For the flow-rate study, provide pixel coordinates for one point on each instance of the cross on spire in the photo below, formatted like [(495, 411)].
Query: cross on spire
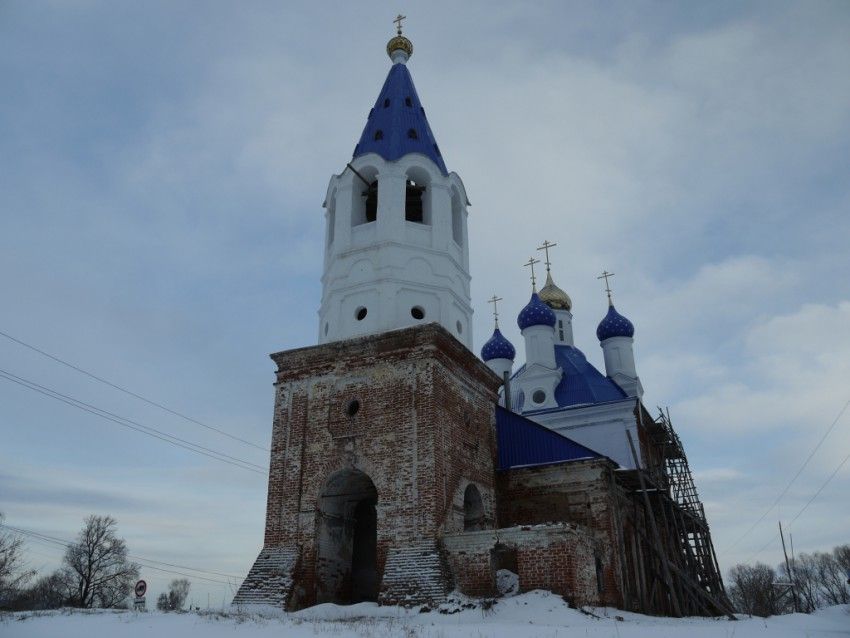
[(531, 261), (605, 275), (398, 20), (546, 246), (494, 300)]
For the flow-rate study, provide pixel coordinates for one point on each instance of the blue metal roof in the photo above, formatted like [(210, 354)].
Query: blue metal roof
[(523, 442), (397, 125), (614, 324), (581, 383)]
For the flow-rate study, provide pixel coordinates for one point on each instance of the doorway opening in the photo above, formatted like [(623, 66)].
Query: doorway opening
[(347, 540)]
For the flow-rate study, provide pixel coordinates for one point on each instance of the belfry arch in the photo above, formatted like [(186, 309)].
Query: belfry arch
[(346, 539)]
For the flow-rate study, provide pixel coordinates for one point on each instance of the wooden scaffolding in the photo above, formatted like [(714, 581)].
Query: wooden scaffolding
[(675, 570)]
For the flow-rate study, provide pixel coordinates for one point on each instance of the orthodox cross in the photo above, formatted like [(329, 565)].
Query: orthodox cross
[(605, 275), (546, 246), (494, 300), (531, 261), (398, 20)]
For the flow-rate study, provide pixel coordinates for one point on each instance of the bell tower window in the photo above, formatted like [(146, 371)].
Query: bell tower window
[(371, 195), (364, 196), (413, 208)]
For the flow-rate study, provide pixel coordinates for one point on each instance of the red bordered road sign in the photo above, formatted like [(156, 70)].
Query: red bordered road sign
[(141, 588)]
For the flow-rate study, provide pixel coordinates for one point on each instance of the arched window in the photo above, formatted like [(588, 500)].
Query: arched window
[(364, 196), (473, 509), (413, 208), (371, 195), (379, 135)]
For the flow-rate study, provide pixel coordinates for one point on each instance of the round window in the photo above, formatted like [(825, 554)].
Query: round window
[(360, 313), (417, 312), (539, 396)]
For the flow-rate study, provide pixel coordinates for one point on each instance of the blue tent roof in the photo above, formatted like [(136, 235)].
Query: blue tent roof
[(522, 442), (581, 383), (397, 125)]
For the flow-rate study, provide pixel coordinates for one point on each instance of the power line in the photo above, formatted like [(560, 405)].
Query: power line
[(806, 506), (133, 425), (791, 482), (54, 541), (130, 392)]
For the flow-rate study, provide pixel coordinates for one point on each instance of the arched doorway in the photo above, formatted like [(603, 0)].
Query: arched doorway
[(473, 509), (347, 539)]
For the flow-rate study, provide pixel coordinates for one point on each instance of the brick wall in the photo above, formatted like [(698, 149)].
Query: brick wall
[(556, 557), (582, 493), (423, 431)]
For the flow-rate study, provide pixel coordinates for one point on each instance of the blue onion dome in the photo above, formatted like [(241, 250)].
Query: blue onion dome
[(535, 313), (614, 325), (498, 347)]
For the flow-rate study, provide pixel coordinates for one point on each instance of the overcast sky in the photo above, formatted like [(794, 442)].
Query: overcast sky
[(162, 168)]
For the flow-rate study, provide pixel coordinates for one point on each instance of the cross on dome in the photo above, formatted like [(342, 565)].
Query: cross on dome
[(494, 300), (398, 20), (545, 247), (605, 275), (531, 261)]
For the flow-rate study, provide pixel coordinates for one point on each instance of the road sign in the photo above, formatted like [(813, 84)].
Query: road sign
[(141, 588)]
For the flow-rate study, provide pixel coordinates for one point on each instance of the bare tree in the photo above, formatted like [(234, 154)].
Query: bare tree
[(752, 590), (804, 575), (831, 578), (174, 600), (842, 557), (13, 572), (97, 570)]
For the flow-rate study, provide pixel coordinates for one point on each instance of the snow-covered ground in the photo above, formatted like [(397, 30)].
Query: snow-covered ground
[(532, 614)]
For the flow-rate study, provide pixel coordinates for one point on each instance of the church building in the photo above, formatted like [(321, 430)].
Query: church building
[(405, 467)]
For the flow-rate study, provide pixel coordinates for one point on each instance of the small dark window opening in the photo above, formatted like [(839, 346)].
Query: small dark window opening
[(413, 203), (353, 407), (361, 313), (379, 135), (473, 509), (408, 101), (417, 313), (412, 134), (371, 195), (387, 103), (539, 396), (561, 329)]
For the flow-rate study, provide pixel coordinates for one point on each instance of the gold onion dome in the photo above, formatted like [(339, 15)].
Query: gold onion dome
[(553, 296), (399, 43)]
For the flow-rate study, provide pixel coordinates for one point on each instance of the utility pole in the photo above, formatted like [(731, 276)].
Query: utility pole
[(788, 569)]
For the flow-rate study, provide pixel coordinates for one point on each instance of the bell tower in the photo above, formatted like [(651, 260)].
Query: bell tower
[(396, 243)]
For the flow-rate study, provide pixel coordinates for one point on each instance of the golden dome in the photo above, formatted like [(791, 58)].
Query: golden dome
[(553, 296), (399, 42)]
